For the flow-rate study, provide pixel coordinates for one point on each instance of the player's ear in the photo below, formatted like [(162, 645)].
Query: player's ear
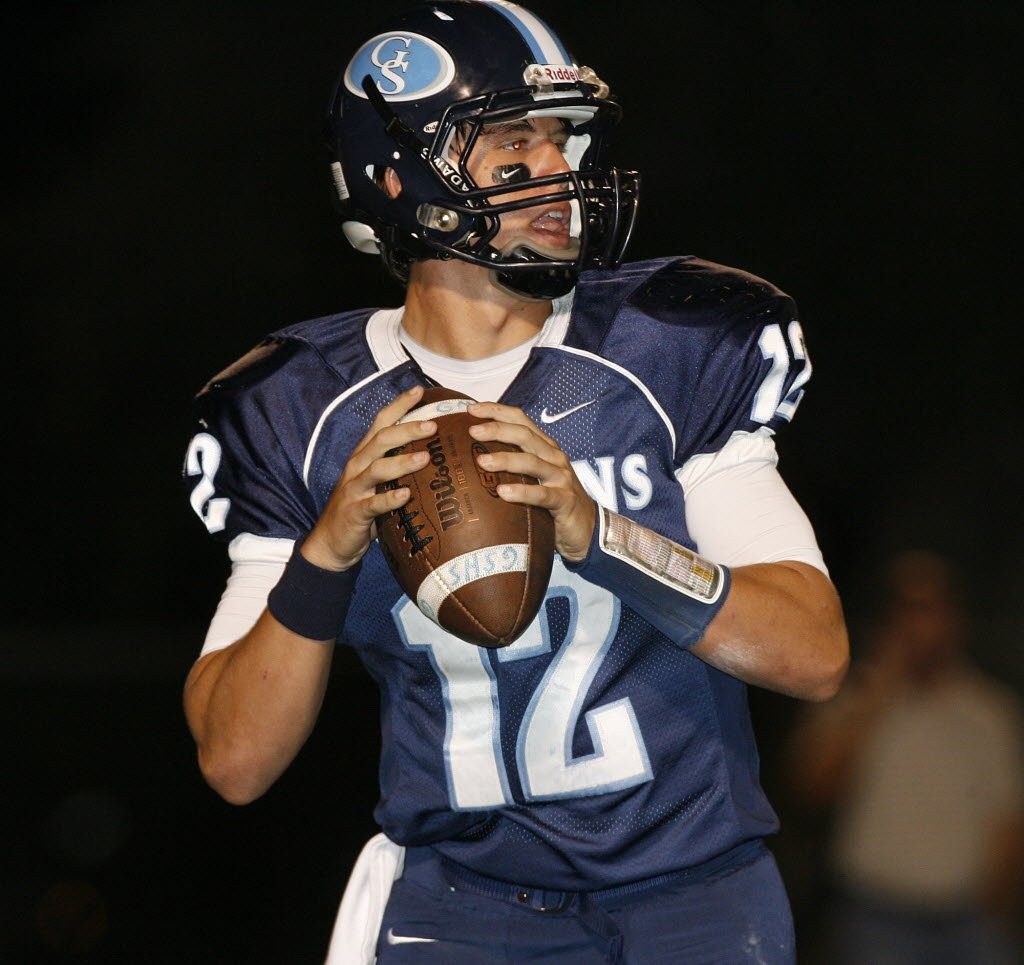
[(391, 183)]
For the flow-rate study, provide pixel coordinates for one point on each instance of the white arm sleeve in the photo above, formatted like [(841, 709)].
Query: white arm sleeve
[(257, 563), (738, 509)]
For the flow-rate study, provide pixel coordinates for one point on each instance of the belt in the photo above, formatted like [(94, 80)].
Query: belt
[(550, 900), (589, 906)]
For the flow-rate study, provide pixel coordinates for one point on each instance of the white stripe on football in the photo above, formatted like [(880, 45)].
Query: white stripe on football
[(468, 568)]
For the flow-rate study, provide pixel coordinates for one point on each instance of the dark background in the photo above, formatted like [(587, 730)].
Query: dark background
[(171, 204)]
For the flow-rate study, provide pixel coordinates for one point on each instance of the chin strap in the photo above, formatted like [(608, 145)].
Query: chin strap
[(540, 284), (395, 127)]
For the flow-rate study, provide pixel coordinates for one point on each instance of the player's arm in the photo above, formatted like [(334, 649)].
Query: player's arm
[(781, 627), (251, 705), (777, 625)]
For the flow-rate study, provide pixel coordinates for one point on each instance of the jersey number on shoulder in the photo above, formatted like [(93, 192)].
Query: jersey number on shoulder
[(769, 402), (544, 756), (203, 460)]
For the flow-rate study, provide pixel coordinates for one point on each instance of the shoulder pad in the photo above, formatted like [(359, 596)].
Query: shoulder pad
[(692, 291), (252, 368)]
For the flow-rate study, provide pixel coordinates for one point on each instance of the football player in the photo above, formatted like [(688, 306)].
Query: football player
[(589, 793)]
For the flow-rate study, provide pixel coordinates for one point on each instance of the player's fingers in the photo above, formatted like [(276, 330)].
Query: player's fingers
[(389, 468), (361, 512), (525, 463), (385, 441), (391, 413), (388, 471), (348, 522), (380, 503), (391, 437), (508, 414), (526, 437), (496, 410), (399, 406), (357, 520), (574, 517), (546, 497)]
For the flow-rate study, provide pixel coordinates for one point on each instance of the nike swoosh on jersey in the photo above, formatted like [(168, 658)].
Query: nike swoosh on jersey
[(393, 939), (548, 417)]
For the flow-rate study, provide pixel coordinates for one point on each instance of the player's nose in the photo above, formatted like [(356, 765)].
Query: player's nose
[(548, 159)]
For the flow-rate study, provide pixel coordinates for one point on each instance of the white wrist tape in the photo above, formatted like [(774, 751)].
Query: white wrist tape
[(671, 587), (659, 558)]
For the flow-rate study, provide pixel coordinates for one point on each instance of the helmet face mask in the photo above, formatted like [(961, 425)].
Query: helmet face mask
[(427, 135)]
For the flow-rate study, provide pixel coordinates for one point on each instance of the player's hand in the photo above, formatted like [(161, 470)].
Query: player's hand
[(346, 527), (558, 488)]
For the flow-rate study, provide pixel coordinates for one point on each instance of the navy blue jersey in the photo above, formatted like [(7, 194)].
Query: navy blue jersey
[(593, 751)]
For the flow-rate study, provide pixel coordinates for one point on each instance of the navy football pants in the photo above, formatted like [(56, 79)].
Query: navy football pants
[(736, 915)]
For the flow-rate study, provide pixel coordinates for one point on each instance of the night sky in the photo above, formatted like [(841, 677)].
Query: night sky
[(170, 205)]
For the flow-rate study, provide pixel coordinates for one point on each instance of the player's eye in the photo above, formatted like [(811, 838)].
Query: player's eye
[(517, 145)]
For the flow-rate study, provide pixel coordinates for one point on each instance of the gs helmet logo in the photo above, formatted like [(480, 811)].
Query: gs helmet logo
[(404, 67)]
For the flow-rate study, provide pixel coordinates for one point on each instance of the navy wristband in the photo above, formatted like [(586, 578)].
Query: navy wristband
[(671, 587), (310, 601)]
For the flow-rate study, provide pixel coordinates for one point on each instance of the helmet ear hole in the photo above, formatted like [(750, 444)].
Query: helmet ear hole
[(390, 183), (384, 180)]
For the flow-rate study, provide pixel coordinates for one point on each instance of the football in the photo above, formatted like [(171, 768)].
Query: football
[(474, 564)]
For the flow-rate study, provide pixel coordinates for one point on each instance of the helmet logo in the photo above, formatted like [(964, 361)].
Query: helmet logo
[(388, 67), (403, 66)]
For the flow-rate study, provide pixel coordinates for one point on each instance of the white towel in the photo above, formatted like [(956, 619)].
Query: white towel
[(354, 939)]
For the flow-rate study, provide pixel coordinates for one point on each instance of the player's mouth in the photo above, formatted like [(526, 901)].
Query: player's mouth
[(553, 226)]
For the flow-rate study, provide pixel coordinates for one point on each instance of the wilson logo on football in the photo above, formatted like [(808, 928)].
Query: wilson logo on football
[(403, 66)]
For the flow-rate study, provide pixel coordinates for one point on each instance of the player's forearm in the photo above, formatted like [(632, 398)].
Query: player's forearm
[(776, 625), (781, 627), (252, 705)]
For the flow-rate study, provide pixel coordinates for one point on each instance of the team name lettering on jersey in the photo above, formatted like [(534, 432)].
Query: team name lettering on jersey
[(602, 482)]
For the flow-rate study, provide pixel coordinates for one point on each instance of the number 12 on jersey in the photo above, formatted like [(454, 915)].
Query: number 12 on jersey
[(769, 402), (547, 769)]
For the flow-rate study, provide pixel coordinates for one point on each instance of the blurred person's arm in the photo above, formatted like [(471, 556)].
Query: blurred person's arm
[(1003, 888), (822, 751), (1002, 892)]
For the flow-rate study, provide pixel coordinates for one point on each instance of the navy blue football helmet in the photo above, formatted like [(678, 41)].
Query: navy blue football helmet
[(415, 98)]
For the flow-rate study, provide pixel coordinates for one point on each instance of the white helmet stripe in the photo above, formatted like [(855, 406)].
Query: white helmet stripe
[(546, 47)]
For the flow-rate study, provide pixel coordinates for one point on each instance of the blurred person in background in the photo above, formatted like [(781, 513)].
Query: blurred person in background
[(920, 760)]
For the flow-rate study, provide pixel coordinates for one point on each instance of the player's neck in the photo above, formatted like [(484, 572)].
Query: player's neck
[(452, 308)]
